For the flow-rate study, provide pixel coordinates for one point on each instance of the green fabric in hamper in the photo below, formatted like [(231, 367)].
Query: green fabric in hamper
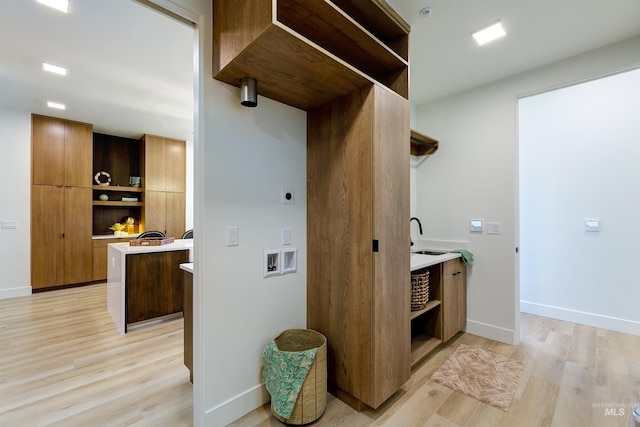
[(284, 374)]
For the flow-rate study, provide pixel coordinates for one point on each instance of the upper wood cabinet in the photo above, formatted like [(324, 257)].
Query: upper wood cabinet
[(164, 164), (358, 285), (62, 152), (307, 52)]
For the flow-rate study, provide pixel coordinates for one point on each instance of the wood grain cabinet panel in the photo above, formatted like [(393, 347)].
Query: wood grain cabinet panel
[(154, 285), (62, 152), (165, 185), (358, 187), (61, 205), (47, 241), (454, 300)]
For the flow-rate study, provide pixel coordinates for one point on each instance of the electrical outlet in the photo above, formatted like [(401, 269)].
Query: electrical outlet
[(287, 196)]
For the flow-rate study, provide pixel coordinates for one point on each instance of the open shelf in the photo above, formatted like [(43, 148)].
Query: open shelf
[(313, 51), (422, 145), (115, 203), (118, 188), (422, 345), (430, 306), (334, 30)]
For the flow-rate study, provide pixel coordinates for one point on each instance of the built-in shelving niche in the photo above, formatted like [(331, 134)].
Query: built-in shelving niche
[(120, 157)]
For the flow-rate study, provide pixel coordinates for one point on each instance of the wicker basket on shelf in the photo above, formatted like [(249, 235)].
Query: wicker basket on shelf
[(419, 290)]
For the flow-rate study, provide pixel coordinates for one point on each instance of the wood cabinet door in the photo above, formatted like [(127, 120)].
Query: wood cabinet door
[(78, 267), (47, 242), (78, 154), (48, 162), (175, 214), (454, 298), (175, 165), (154, 163), (154, 211), (392, 265)]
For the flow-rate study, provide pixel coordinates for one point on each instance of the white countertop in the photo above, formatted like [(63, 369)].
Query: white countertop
[(178, 244), (188, 267), (421, 261), (113, 236)]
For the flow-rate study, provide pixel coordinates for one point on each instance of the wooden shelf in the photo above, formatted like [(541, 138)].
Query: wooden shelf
[(311, 53), (332, 29), (116, 203), (118, 188), (422, 345), (430, 306), (422, 145)]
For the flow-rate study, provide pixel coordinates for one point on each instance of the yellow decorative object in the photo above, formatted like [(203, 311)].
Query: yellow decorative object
[(117, 227)]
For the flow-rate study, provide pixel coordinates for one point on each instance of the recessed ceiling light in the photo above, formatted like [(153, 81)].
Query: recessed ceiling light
[(56, 105), (54, 69), (490, 33), (61, 5)]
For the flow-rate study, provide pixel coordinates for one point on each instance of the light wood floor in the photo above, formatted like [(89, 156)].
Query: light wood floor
[(572, 375), (62, 363)]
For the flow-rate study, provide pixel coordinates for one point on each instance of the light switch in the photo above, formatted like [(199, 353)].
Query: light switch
[(494, 228), (12, 225), (591, 225), (233, 238), (286, 236)]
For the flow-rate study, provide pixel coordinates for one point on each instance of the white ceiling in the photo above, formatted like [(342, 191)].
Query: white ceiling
[(445, 59), (130, 68)]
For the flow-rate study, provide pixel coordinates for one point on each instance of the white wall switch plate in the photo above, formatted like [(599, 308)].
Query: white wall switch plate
[(9, 224), (494, 228), (286, 236), (233, 236), (476, 226), (591, 225), (288, 196)]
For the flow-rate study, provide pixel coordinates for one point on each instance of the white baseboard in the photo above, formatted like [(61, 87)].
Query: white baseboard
[(15, 292), (237, 407), (492, 332), (584, 318)]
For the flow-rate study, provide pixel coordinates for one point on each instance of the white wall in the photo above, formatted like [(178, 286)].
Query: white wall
[(476, 172), (579, 157), (242, 159), (15, 190)]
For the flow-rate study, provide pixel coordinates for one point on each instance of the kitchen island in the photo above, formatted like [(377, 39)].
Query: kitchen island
[(144, 283)]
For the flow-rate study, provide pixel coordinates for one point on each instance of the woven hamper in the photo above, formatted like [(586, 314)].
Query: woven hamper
[(419, 290), (312, 400)]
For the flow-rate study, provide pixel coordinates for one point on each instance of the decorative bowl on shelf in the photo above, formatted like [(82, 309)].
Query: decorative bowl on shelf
[(103, 197)]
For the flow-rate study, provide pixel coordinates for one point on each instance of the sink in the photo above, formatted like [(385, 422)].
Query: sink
[(426, 252)]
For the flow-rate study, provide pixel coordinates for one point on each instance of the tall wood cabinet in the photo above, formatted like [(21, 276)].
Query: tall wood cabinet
[(357, 241), (164, 175), (60, 202)]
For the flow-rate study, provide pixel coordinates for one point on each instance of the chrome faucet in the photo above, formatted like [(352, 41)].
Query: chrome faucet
[(419, 227)]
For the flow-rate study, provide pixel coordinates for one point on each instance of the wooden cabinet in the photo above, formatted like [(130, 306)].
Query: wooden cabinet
[(99, 256), (454, 300), (188, 321), (164, 184), (306, 53), (357, 286), (60, 203), (61, 152), (445, 314), (346, 63)]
